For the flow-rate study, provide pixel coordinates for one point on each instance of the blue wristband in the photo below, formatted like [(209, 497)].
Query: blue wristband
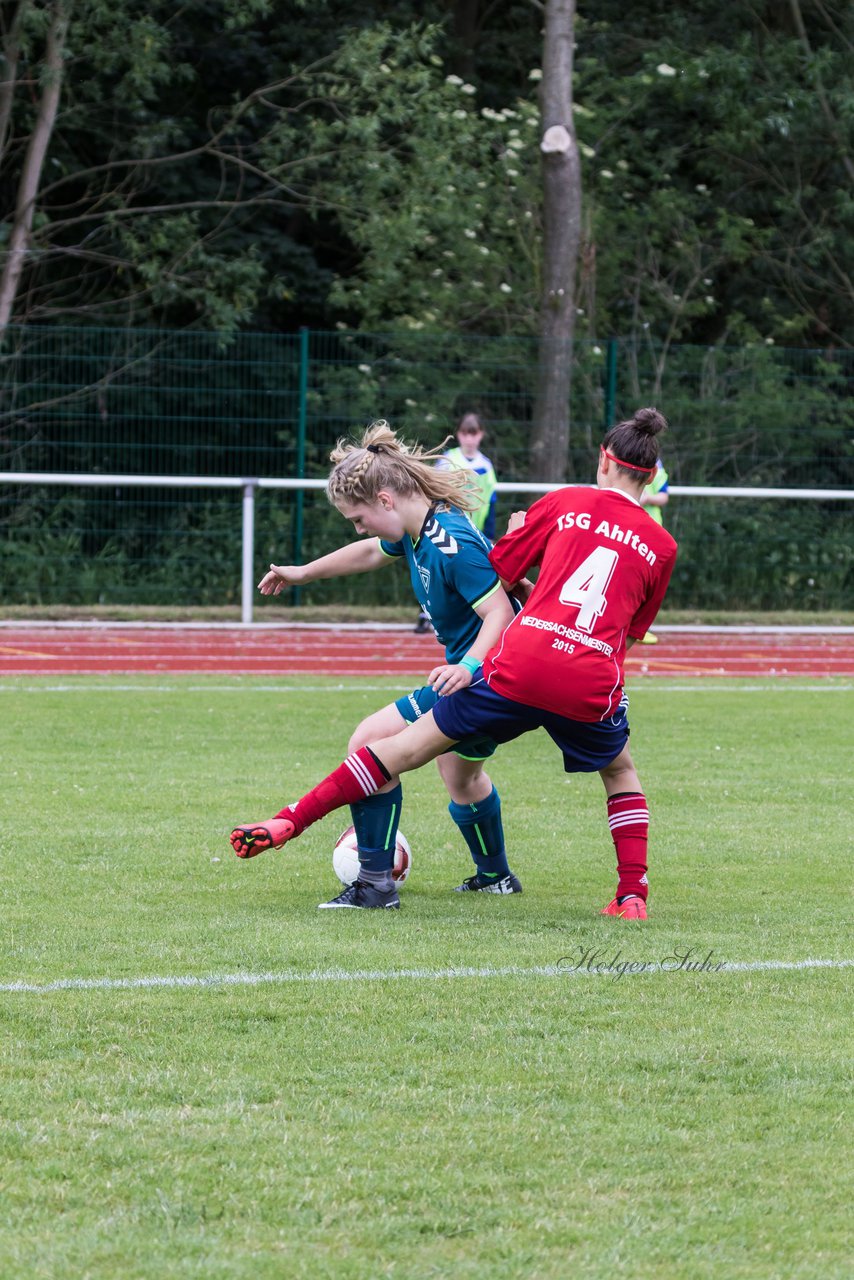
[(471, 664)]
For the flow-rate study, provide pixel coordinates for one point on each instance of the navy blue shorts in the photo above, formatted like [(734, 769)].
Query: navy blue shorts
[(585, 747), (473, 746)]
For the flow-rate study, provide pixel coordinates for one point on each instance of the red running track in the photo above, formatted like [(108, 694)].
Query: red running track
[(72, 649)]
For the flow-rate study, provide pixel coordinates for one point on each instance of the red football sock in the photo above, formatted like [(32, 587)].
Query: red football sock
[(360, 775), (628, 818)]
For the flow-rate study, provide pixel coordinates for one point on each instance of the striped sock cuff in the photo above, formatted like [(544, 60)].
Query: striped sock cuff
[(628, 811), (367, 770)]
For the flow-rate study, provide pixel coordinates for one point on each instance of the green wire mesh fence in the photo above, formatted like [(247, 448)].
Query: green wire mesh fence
[(150, 402)]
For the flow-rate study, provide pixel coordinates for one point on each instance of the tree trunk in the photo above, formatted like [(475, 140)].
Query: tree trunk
[(561, 235), (28, 187)]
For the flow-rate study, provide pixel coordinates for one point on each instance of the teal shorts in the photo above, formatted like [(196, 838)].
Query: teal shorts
[(476, 746)]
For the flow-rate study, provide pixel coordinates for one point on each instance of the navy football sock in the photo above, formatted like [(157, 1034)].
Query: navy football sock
[(483, 832), (376, 820)]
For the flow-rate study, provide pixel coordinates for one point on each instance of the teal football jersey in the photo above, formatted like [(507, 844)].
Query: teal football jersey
[(451, 575)]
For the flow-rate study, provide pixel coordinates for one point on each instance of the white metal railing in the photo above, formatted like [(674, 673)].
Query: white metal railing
[(250, 484)]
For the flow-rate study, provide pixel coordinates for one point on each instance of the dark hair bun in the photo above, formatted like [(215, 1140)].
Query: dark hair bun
[(649, 422)]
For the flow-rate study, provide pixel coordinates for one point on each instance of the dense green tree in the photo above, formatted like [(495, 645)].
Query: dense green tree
[(718, 191), (424, 185), (185, 180), (160, 193), (128, 214)]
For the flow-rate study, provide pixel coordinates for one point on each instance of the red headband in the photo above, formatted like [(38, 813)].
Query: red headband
[(630, 465)]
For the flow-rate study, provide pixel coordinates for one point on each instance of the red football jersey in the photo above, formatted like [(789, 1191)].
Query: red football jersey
[(604, 568)]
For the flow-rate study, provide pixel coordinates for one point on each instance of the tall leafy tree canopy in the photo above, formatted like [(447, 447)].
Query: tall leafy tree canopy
[(229, 164)]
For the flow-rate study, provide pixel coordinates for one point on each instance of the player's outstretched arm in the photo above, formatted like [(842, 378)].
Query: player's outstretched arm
[(355, 557), (279, 577)]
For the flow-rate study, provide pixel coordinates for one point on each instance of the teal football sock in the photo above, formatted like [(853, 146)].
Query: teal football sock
[(483, 832), (375, 821)]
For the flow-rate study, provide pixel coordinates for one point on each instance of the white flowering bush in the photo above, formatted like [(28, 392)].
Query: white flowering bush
[(438, 195)]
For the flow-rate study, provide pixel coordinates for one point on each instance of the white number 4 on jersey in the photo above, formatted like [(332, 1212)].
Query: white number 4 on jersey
[(586, 587)]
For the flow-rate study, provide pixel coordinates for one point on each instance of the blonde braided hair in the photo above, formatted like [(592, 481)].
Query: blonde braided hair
[(382, 461)]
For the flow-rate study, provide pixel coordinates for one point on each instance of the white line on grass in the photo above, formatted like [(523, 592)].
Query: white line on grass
[(568, 970), (650, 685)]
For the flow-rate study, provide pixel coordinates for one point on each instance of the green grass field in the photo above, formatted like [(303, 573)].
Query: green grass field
[(289, 1118)]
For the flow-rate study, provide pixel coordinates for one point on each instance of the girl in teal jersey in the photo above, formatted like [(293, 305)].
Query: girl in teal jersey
[(408, 510)]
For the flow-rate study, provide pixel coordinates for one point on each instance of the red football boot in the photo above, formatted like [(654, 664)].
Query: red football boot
[(631, 908), (254, 838)]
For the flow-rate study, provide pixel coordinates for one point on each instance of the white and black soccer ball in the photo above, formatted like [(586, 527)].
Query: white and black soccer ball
[(345, 858)]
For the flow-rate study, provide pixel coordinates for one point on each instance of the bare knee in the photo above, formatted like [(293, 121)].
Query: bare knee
[(359, 738), (620, 774), (466, 781), (381, 724)]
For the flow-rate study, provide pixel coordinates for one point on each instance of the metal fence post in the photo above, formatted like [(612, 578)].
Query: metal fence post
[(611, 384), (302, 424), (247, 586)]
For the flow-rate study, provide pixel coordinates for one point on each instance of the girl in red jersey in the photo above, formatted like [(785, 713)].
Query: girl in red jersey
[(604, 568)]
